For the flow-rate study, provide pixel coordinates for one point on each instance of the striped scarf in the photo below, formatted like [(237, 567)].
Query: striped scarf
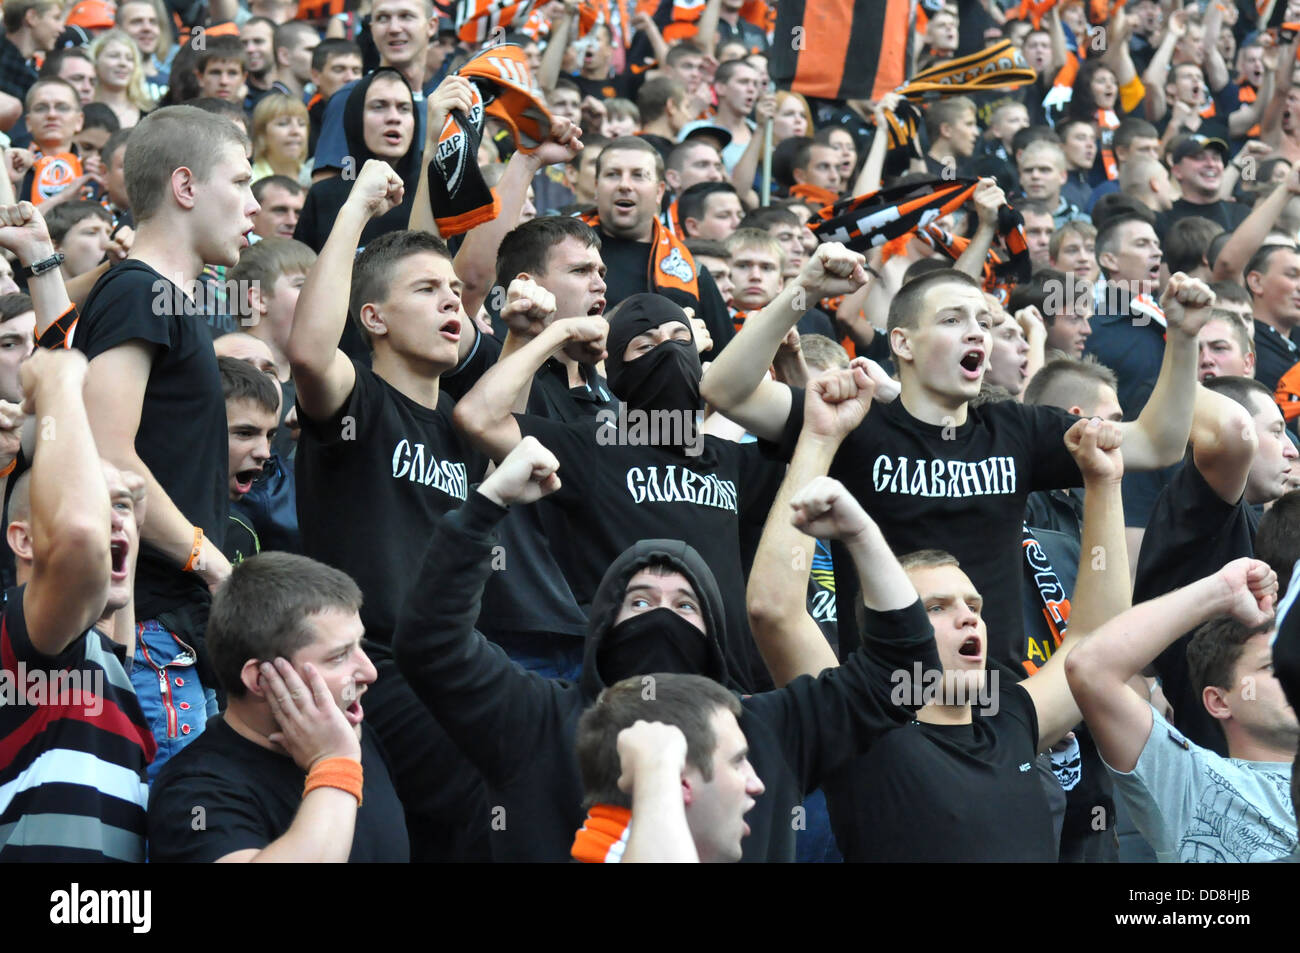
[(603, 835)]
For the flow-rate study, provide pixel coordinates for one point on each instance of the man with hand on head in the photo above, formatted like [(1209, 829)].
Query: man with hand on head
[(289, 772)]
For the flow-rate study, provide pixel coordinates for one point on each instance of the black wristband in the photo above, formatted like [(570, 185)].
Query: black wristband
[(40, 267)]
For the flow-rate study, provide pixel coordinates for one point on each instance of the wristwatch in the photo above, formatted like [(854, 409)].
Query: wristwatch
[(40, 267)]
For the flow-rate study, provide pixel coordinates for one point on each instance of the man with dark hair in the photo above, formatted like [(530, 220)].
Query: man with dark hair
[(1065, 315), (1225, 346), (383, 438), (1277, 541), (639, 251), (221, 68), (80, 232), (1272, 276), (258, 36), (334, 64), (1207, 516), (73, 766), (709, 792), (690, 163), (1191, 804), (1039, 227), (736, 85), (153, 375), (816, 172), (281, 199), (113, 158), (783, 225), (657, 608), (1196, 164), (914, 463), (710, 210), (1117, 205), (1186, 245), (289, 771), (1133, 139), (292, 46)]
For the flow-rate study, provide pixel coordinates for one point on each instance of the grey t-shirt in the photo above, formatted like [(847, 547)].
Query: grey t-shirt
[(1195, 806)]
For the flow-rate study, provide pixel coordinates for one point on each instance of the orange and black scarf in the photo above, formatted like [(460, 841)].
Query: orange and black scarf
[(890, 217), (672, 267), (1000, 66), (603, 835), (503, 89)]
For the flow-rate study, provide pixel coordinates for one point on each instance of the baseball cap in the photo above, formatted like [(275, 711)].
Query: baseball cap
[(1195, 143), (91, 15), (704, 126)]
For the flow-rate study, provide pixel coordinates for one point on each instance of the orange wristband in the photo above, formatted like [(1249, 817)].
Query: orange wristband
[(194, 553), (9, 469), (342, 773)]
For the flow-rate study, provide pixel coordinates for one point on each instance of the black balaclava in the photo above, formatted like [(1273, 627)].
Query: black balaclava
[(354, 111), (665, 378), (656, 641)]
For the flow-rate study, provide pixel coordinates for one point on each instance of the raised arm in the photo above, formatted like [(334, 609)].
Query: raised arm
[(1247, 115), (1224, 443), (1159, 436), (453, 93), (1248, 237), (1216, 71), (1157, 71), (1117, 55), (645, 22), (790, 642), (553, 59), (706, 38), (1120, 721), (1271, 124), (988, 199), (652, 757), (742, 176), (736, 383), (1101, 590), (873, 169), (476, 262), (486, 413), (70, 522), (23, 232), (322, 373)]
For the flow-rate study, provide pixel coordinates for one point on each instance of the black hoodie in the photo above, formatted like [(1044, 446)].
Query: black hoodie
[(519, 728), (326, 197)]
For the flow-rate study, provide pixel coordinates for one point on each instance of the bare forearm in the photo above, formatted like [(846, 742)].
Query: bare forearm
[(476, 260), (874, 168), (743, 363), (78, 288), (322, 309), (659, 833), (1166, 420), (787, 637), (972, 259), (1247, 238), (885, 586), (1101, 590), (549, 70), (321, 832), (50, 298), (707, 37), (68, 497)]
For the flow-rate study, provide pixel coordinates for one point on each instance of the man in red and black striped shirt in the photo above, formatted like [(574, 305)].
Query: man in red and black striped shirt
[(74, 744)]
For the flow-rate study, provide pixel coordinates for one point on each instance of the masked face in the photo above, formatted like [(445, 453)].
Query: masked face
[(657, 640), (660, 370)]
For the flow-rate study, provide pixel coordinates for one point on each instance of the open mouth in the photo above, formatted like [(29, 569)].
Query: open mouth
[(393, 136), (450, 329), (596, 309), (118, 549), (626, 205), (1024, 369), (354, 713), (970, 648), (244, 479), (972, 363)]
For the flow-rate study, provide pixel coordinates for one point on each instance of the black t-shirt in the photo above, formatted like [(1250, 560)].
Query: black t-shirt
[(627, 273), (371, 484), (613, 495), (619, 86), (960, 489), (947, 793), (1227, 214), (182, 432), (249, 797), (1192, 532)]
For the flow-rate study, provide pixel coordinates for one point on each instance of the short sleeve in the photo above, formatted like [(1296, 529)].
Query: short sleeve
[(362, 405), (127, 306), (1157, 790), (200, 818)]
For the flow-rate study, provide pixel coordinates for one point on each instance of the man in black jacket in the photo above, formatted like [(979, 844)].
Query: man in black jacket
[(657, 609)]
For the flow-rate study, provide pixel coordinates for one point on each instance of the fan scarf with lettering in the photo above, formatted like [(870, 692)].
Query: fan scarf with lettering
[(1000, 66), (52, 174), (1108, 122), (1056, 606), (477, 20), (891, 216), (502, 89), (671, 263), (602, 839)]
